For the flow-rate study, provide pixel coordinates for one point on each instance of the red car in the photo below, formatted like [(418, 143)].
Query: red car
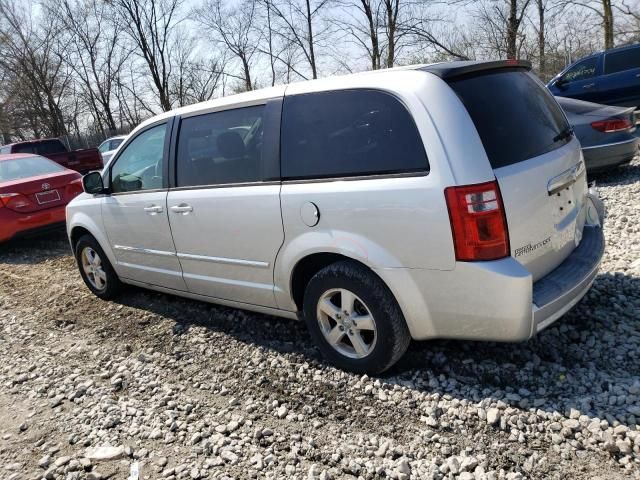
[(34, 192)]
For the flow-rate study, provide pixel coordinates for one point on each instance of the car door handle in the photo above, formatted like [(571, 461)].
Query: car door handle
[(182, 208), (153, 209), (637, 75), (589, 85)]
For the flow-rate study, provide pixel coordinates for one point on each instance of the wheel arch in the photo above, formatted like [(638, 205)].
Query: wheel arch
[(309, 265)]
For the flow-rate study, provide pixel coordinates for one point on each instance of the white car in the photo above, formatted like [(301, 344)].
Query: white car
[(431, 201), (109, 147)]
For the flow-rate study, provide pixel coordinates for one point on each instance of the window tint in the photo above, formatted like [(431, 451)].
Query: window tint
[(47, 147), (346, 133), (24, 148), (104, 146), (27, 167), (139, 166), (514, 114), (581, 71), (619, 61), (116, 143), (220, 147)]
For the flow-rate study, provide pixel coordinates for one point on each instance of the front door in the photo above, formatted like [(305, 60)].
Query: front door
[(135, 214), (224, 212)]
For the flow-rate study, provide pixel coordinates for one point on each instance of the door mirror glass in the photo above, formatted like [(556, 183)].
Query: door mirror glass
[(92, 183)]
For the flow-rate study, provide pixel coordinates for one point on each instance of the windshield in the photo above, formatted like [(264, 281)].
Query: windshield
[(27, 167), (516, 117)]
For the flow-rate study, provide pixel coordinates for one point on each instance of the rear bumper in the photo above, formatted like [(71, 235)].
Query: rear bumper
[(610, 155), (494, 301), (560, 290), (14, 224)]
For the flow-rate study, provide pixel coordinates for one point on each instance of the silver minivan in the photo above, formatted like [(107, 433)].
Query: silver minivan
[(431, 201)]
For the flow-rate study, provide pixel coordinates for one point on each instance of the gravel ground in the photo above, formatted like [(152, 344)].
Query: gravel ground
[(153, 386)]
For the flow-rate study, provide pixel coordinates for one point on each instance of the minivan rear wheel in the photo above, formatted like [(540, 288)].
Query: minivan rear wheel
[(95, 269), (354, 319)]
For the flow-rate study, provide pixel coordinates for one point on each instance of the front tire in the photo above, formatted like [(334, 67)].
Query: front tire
[(95, 268), (354, 319)]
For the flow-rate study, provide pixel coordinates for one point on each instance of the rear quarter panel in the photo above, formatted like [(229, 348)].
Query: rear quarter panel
[(386, 222)]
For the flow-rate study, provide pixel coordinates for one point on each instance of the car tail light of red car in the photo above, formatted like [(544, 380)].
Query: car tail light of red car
[(612, 125), (478, 222), (14, 201), (74, 188)]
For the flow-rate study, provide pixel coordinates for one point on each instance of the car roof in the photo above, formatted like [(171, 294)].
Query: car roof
[(17, 156), (384, 78)]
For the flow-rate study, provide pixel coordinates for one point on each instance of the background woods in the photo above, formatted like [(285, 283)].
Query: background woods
[(86, 69)]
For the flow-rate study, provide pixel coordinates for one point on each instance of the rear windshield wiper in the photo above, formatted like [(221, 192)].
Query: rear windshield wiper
[(566, 133)]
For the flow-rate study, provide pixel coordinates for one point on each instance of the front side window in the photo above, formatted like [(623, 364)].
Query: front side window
[(221, 147), (620, 61), (581, 71), (348, 133), (139, 166), (104, 146)]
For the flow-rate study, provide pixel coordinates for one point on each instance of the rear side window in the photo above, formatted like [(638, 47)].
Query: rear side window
[(620, 61), (221, 147), (348, 133), (515, 115)]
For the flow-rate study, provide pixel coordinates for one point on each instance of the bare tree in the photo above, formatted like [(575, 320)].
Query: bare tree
[(31, 56), (235, 28), (299, 19), (151, 24), (96, 54)]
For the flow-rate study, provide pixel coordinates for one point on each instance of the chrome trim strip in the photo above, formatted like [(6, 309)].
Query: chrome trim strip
[(610, 144), (228, 261), (146, 251)]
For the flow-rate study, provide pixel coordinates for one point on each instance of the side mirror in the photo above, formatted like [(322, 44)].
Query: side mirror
[(92, 183)]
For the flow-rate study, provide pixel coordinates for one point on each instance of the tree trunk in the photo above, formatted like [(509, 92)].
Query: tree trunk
[(607, 17), (541, 40), (512, 29), (312, 55), (373, 35), (391, 6)]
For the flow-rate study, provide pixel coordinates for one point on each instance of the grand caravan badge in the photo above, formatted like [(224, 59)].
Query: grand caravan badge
[(527, 249)]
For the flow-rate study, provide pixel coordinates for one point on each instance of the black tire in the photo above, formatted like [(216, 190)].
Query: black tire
[(113, 285), (393, 336)]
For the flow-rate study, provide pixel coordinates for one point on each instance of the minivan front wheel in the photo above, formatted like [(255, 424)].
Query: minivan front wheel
[(354, 319), (95, 269)]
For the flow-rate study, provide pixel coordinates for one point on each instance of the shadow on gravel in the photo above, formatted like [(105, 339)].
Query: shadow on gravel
[(588, 360), (624, 175), (36, 249)]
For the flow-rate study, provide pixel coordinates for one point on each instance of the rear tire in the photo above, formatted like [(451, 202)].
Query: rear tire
[(354, 319), (95, 268)]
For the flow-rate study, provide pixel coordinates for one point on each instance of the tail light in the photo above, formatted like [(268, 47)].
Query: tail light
[(612, 125), (478, 222), (14, 201), (74, 188)]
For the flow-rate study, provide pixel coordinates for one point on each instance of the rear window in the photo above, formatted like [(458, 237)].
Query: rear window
[(27, 167), (47, 147), (620, 61), (515, 115), (348, 133)]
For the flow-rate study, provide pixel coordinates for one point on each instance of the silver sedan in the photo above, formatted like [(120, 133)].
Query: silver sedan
[(607, 134)]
